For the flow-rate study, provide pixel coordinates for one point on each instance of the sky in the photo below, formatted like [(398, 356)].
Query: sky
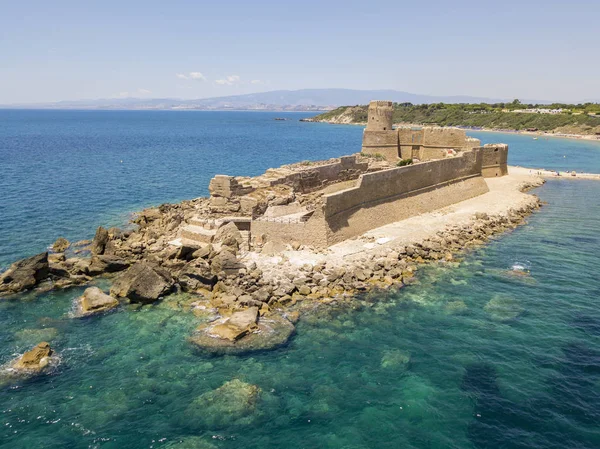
[(69, 50)]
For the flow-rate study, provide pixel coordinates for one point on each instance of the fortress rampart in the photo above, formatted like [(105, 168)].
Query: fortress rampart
[(319, 204), (495, 159)]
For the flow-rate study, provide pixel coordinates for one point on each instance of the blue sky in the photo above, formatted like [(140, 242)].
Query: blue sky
[(66, 50)]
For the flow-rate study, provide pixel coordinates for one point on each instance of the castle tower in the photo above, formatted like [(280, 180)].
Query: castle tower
[(380, 116), (378, 136)]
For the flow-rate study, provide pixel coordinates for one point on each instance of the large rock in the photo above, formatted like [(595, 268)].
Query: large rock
[(25, 274), (95, 301), (243, 333), (226, 261), (237, 326), (196, 274), (100, 240), (233, 403), (106, 264), (30, 364), (61, 245), (229, 235), (143, 282)]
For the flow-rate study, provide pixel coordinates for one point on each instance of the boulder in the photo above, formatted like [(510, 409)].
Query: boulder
[(61, 245), (228, 234), (31, 362), (233, 403), (143, 282), (100, 240), (243, 333), (95, 301), (196, 274), (237, 326), (106, 264), (25, 274), (226, 261)]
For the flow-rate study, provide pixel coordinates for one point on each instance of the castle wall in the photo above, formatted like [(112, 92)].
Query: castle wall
[(428, 143), (392, 195), (380, 198), (381, 142), (495, 160)]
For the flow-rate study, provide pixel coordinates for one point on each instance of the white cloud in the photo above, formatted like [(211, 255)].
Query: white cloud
[(229, 80), (144, 91), (256, 82), (197, 76), (191, 76)]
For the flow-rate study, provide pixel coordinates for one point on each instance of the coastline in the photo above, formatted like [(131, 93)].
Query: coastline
[(250, 298), (545, 134)]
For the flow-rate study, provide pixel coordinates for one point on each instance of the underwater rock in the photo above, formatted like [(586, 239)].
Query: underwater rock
[(244, 333), (25, 274), (95, 301), (190, 443), (395, 358), (233, 403), (503, 308), (61, 245), (455, 307), (143, 282), (30, 336)]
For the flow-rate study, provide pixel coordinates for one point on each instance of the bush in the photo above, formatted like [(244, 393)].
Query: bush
[(404, 162)]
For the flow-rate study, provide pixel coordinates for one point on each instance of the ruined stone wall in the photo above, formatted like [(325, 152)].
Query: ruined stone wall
[(495, 160), (392, 195), (312, 232), (319, 176), (427, 142)]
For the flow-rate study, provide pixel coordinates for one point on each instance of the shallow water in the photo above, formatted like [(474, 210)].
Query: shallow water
[(473, 380), (432, 366)]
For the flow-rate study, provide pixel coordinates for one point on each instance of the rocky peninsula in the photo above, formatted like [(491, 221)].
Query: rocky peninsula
[(250, 260)]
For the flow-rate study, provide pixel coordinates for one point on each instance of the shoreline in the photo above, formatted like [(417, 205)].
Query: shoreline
[(250, 298), (585, 137)]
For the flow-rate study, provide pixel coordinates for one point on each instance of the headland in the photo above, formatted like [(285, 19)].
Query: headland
[(260, 251)]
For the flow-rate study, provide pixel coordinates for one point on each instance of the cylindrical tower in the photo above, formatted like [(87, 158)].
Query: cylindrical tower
[(380, 116)]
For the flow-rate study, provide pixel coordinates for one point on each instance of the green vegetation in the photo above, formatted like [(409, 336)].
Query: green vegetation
[(404, 162), (580, 118), (375, 156)]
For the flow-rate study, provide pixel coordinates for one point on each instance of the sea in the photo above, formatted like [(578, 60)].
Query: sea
[(437, 364)]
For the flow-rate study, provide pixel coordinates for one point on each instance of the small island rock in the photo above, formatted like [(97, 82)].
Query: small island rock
[(95, 301), (61, 245), (25, 274)]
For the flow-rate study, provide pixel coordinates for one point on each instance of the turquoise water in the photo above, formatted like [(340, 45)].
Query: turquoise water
[(413, 369)]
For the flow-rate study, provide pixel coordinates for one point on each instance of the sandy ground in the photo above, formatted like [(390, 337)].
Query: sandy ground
[(505, 194), (550, 174), (590, 137)]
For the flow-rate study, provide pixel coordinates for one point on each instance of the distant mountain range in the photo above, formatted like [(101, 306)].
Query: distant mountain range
[(278, 100)]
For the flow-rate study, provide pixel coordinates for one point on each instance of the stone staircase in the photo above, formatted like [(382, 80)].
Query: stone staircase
[(202, 230)]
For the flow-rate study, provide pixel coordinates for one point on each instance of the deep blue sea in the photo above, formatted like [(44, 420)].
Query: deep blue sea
[(404, 370)]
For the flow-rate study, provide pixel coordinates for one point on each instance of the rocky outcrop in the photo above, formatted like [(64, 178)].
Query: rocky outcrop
[(196, 275), (100, 240), (61, 245), (106, 264), (25, 274), (233, 403), (229, 235), (227, 262), (30, 364), (94, 301), (143, 282), (243, 331)]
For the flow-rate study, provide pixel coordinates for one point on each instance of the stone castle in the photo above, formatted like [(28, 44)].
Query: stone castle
[(318, 204)]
